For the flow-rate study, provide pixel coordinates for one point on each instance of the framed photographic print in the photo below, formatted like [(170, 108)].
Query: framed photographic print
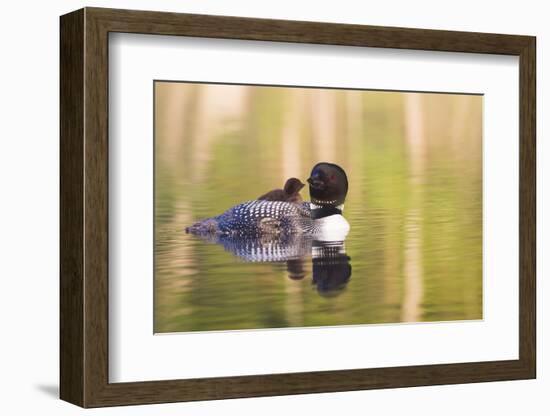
[(255, 207)]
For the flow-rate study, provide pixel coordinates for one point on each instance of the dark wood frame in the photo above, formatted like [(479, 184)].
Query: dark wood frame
[(84, 207)]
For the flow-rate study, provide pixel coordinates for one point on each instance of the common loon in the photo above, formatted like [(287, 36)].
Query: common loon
[(328, 187), (290, 192)]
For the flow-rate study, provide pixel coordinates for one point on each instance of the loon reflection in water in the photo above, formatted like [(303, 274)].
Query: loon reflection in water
[(331, 268)]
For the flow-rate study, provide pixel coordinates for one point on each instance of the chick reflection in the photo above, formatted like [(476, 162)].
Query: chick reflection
[(331, 269), (295, 269)]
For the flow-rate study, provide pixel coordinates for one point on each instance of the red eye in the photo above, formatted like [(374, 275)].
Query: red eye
[(332, 177)]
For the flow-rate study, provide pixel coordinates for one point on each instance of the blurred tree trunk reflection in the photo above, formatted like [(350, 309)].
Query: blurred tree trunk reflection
[(416, 147)]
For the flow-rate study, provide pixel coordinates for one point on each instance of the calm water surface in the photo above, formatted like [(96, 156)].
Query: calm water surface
[(414, 206)]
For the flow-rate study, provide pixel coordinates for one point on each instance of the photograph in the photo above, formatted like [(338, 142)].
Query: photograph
[(311, 206)]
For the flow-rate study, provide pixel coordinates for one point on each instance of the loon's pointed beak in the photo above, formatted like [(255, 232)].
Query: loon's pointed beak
[(315, 182)]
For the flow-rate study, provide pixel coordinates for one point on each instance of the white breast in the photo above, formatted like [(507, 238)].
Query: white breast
[(331, 228)]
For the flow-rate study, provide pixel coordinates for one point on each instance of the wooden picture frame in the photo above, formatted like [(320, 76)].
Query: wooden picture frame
[(84, 207)]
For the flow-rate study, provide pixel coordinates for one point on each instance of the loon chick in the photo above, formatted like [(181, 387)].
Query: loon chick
[(328, 186), (290, 192)]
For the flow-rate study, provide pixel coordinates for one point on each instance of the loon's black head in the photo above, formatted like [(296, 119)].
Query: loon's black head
[(328, 184)]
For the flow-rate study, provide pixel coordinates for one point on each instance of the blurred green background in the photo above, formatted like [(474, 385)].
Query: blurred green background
[(414, 164)]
